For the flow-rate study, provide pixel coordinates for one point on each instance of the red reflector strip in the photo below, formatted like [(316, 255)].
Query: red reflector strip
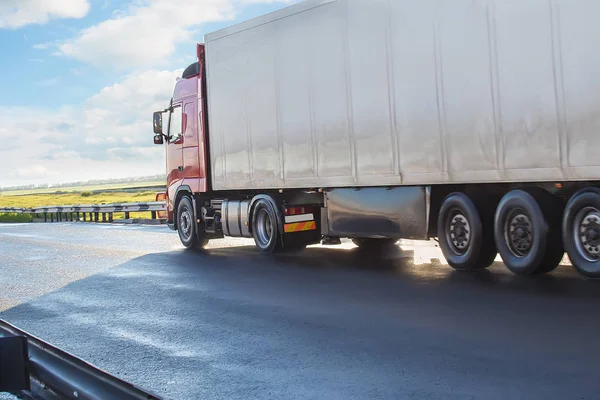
[(300, 227)]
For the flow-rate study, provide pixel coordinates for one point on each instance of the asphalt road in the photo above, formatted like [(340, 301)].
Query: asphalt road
[(324, 324)]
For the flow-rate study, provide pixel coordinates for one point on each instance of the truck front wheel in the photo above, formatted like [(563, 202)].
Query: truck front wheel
[(465, 234), (187, 227)]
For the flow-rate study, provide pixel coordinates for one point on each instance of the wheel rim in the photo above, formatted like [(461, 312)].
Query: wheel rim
[(586, 233), (518, 233), (185, 224), (458, 232), (264, 228)]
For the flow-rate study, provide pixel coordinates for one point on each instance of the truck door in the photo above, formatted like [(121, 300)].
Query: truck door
[(174, 152), (191, 162)]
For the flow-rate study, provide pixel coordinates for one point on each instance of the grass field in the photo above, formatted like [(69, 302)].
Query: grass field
[(91, 188), (15, 218), (40, 200)]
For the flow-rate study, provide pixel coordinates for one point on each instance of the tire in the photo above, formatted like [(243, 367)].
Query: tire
[(581, 230), (527, 231), (374, 244), (187, 228), (465, 234), (265, 227)]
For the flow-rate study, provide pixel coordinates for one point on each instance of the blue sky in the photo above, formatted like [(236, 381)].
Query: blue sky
[(80, 79)]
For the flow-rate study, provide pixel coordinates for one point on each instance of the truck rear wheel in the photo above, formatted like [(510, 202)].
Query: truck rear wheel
[(265, 227), (187, 227), (581, 232), (527, 232), (465, 234)]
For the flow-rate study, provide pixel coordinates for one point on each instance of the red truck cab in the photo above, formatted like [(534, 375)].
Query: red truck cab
[(185, 134)]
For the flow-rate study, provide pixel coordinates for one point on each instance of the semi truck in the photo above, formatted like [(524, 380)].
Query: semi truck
[(472, 122)]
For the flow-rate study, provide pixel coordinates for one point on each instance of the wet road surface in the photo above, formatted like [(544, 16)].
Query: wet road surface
[(326, 323)]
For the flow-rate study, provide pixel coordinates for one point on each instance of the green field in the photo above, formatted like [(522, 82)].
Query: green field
[(40, 200), (15, 218), (90, 188)]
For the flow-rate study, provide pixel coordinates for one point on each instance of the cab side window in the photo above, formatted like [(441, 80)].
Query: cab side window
[(175, 125)]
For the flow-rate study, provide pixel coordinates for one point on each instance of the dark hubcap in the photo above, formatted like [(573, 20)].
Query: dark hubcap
[(264, 228), (458, 232), (185, 224), (519, 233), (586, 231)]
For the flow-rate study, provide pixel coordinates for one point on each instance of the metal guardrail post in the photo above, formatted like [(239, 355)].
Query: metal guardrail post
[(36, 369), (14, 376)]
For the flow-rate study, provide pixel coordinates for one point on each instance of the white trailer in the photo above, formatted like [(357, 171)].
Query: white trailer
[(331, 93), (473, 121)]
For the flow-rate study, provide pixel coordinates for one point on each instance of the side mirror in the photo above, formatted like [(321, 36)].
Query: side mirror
[(158, 139), (158, 126)]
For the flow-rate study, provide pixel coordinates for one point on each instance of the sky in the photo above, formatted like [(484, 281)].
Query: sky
[(79, 80)]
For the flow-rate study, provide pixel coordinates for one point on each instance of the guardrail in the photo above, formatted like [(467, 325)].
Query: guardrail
[(96, 212), (32, 368)]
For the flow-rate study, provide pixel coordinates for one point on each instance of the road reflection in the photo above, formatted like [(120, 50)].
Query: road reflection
[(419, 262)]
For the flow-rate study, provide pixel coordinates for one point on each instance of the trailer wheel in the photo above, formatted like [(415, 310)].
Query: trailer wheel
[(265, 227), (187, 228), (465, 234), (581, 232), (527, 231)]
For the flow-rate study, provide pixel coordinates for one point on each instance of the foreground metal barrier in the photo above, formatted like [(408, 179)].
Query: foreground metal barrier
[(32, 368), (95, 212)]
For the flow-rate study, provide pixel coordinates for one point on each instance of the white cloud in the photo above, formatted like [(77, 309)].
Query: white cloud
[(109, 135), (147, 33), (49, 82), (35, 170), (18, 13), (42, 46)]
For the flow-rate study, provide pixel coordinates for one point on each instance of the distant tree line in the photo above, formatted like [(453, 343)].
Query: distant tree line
[(94, 182)]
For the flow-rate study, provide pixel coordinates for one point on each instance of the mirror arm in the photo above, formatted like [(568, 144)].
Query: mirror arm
[(167, 110)]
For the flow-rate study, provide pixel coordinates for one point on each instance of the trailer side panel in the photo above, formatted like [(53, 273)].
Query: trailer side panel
[(342, 93)]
